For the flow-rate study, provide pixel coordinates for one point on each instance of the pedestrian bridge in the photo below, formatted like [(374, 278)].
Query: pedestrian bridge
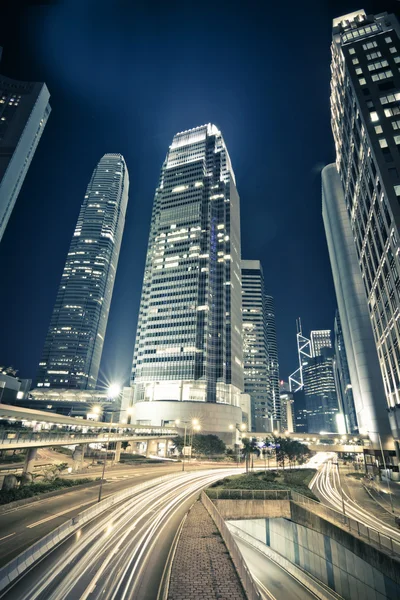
[(69, 430), (324, 442)]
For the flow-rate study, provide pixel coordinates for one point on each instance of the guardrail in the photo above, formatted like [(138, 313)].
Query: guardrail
[(18, 565), (383, 541), (227, 494), (247, 580)]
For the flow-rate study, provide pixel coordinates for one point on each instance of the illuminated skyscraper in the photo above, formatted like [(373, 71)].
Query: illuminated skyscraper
[(343, 381), (361, 211), (188, 351), (255, 346), (24, 110), (74, 343), (320, 338), (272, 348)]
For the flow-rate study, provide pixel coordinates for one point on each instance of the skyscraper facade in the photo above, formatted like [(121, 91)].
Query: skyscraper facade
[(342, 378), (272, 348), (320, 393), (365, 107), (189, 335), (255, 346), (24, 110), (74, 342), (320, 338), (287, 408)]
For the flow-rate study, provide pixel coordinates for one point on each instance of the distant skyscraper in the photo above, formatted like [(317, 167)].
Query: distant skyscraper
[(74, 343), (287, 408), (320, 392), (273, 359), (342, 379), (361, 209), (255, 346), (321, 338), (188, 348), (24, 110)]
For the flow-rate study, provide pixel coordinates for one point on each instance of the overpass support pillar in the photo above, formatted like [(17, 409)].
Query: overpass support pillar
[(30, 460), (117, 452), (166, 444), (151, 448), (78, 456)]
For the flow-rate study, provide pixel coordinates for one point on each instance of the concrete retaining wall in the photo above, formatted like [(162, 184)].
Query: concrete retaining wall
[(325, 558), (253, 509)]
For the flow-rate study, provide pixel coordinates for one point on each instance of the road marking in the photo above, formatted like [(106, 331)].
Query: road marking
[(56, 515), (7, 536)]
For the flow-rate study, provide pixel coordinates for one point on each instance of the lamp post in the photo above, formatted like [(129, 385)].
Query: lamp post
[(194, 422)]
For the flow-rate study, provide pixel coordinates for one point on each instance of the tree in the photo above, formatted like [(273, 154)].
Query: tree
[(249, 449), (292, 450), (208, 445)]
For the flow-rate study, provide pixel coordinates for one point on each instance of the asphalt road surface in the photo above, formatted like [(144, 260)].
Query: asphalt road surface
[(327, 486), (273, 581), (122, 553), (21, 527)]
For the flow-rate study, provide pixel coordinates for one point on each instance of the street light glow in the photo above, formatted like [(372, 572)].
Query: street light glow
[(195, 422), (114, 390)]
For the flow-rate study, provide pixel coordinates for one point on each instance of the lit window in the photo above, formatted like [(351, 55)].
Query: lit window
[(362, 81), (352, 51), (392, 50), (397, 190), (396, 139), (359, 71), (388, 40), (378, 129), (383, 143), (374, 116), (355, 61)]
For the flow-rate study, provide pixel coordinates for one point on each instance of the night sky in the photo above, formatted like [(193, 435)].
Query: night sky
[(125, 76)]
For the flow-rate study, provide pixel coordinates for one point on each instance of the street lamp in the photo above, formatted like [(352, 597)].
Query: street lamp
[(114, 390), (193, 423)]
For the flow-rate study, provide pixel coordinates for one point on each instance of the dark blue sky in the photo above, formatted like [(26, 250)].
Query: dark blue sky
[(125, 76)]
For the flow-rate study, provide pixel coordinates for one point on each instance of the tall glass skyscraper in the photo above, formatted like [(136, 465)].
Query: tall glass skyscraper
[(273, 360), (74, 342), (24, 110), (342, 379), (365, 109), (189, 335), (255, 346)]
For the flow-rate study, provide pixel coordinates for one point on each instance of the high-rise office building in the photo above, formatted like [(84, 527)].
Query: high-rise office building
[(320, 338), (320, 393), (273, 360), (74, 342), (24, 110), (188, 358), (287, 408), (255, 346), (343, 382), (361, 207)]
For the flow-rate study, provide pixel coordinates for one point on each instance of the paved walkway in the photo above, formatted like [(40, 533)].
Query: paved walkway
[(202, 568)]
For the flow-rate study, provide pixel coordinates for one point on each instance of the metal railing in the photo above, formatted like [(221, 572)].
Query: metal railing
[(30, 438), (247, 580), (227, 494), (374, 537)]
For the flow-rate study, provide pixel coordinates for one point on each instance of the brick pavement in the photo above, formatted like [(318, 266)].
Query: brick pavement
[(202, 568)]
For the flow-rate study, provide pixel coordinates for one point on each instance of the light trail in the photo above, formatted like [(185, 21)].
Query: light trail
[(328, 487), (107, 558)]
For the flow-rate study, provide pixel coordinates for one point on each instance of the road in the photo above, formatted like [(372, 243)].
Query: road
[(327, 486), (122, 553), (21, 527), (273, 581)]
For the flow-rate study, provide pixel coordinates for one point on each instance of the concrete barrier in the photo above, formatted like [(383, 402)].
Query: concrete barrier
[(304, 578), (18, 565)]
